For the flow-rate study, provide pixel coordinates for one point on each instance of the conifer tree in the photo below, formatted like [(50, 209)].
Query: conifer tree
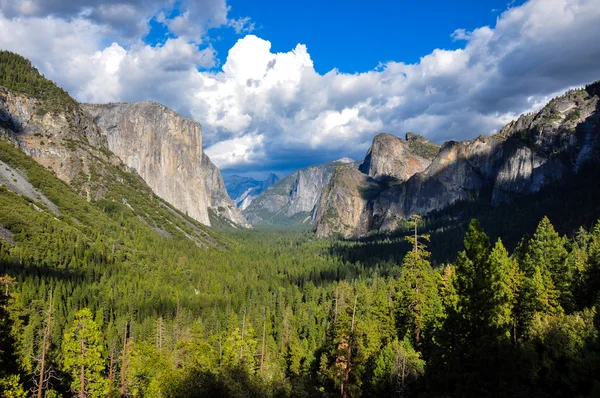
[(473, 285), (82, 356), (546, 250), (418, 302), (503, 289)]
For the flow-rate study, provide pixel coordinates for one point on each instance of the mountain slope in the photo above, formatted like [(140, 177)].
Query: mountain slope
[(63, 136), (293, 199), (535, 151)]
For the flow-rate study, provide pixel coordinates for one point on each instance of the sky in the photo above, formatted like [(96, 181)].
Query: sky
[(280, 85)]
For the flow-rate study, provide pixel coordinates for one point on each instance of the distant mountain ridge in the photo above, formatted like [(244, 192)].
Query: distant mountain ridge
[(243, 190)]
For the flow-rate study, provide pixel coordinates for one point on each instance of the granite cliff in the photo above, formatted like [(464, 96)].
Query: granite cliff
[(39, 119), (535, 151), (165, 148), (85, 145), (293, 199)]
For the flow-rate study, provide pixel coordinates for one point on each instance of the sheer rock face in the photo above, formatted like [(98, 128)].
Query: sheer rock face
[(66, 141), (220, 202), (342, 208), (165, 148), (527, 154), (293, 199)]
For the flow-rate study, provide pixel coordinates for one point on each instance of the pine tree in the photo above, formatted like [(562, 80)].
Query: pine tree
[(7, 355), (546, 250), (503, 289), (418, 302), (473, 285), (82, 356)]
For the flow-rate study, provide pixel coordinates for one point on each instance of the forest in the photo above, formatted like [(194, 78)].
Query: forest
[(95, 303)]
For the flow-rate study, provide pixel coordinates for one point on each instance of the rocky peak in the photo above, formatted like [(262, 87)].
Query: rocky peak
[(293, 199), (391, 157), (270, 180)]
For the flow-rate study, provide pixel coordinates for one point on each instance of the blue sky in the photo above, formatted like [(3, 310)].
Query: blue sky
[(372, 31), (282, 85)]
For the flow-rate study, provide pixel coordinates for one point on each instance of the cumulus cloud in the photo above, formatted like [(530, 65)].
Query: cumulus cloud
[(266, 110)]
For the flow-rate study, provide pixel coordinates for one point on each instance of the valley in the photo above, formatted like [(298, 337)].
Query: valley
[(130, 267)]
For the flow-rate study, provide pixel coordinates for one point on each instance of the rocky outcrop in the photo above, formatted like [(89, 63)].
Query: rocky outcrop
[(343, 203), (165, 148), (534, 151), (294, 199), (391, 158)]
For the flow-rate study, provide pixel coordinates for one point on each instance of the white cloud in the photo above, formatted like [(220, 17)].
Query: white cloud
[(266, 109), (245, 150)]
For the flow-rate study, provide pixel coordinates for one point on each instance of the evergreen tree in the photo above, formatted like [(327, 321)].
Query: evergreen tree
[(503, 289), (397, 368), (82, 356), (8, 360), (418, 302), (546, 250), (473, 285)]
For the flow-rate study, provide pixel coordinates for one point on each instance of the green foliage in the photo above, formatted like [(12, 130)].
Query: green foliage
[(418, 301), (424, 148), (397, 369), (11, 387), (82, 350), (17, 74), (268, 312)]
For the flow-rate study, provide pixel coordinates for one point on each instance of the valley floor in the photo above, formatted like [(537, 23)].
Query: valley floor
[(280, 313)]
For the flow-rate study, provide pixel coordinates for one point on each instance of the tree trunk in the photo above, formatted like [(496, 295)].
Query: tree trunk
[(45, 344), (124, 361), (82, 370)]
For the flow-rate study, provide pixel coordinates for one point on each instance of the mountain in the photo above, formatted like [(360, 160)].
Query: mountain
[(293, 199), (165, 148), (71, 182), (84, 144), (391, 158), (243, 190), (538, 150)]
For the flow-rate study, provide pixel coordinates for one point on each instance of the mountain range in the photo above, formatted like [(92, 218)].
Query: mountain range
[(292, 200), (399, 177), (537, 150), (83, 145)]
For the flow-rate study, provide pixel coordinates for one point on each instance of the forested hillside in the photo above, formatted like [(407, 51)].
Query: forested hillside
[(94, 291)]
